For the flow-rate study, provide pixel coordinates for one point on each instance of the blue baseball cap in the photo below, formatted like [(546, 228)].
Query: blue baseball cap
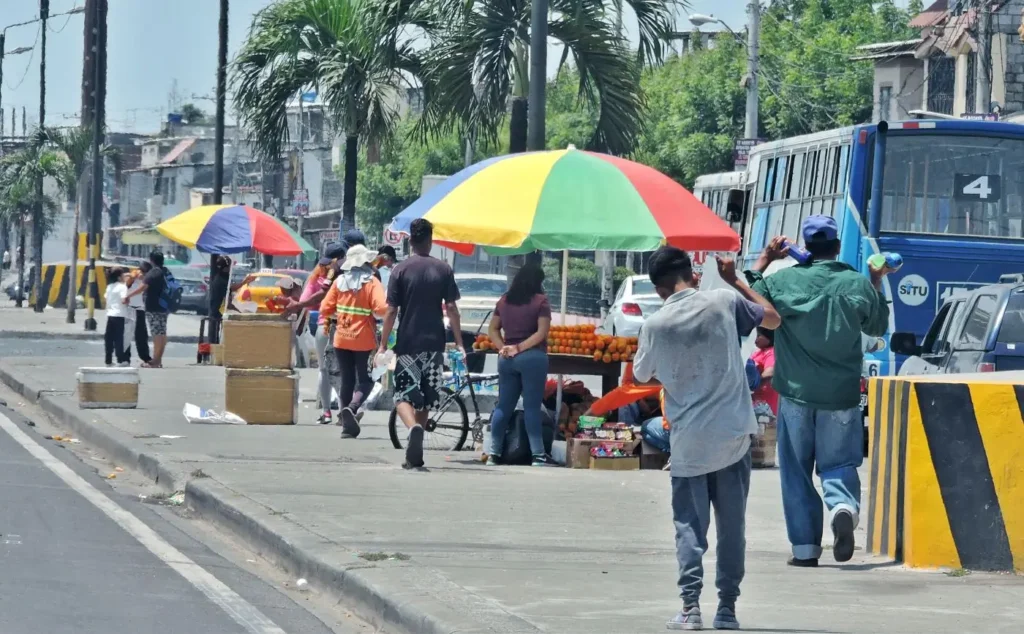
[(819, 229), (353, 237), (333, 251)]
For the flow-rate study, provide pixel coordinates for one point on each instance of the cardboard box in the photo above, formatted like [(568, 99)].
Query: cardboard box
[(631, 463), (262, 397), (108, 388), (762, 450), (258, 341), (217, 354), (577, 452)]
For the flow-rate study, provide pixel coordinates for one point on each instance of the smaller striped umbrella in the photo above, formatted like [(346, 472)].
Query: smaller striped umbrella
[(233, 229), (567, 200)]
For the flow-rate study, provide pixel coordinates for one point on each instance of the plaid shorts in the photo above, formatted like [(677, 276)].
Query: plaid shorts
[(157, 323), (418, 379)]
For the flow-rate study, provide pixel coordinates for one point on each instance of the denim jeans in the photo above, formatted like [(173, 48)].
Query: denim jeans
[(832, 443), (523, 375), (692, 500), (654, 432)]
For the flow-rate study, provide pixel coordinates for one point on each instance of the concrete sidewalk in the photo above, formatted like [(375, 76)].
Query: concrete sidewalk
[(25, 323), (464, 548)]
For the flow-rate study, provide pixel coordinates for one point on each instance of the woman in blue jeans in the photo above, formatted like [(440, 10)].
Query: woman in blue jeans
[(519, 328)]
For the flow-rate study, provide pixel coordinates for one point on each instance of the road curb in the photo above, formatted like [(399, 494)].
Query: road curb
[(76, 336), (97, 433), (398, 596)]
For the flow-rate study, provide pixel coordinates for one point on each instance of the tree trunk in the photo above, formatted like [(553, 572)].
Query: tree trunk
[(37, 260), (348, 205), (72, 295), (21, 261), (517, 126)]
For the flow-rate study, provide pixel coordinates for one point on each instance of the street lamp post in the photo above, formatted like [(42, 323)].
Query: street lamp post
[(750, 126)]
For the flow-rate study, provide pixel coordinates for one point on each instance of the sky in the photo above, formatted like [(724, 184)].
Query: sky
[(157, 47)]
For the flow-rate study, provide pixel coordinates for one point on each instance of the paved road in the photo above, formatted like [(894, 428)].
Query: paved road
[(77, 349), (76, 556)]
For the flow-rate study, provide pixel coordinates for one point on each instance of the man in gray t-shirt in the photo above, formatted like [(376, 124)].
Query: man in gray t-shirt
[(691, 346)]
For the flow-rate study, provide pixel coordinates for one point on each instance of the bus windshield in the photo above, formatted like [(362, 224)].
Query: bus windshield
[(961, 185)]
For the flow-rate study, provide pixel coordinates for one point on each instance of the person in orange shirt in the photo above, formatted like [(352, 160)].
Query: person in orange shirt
[(354, 302)]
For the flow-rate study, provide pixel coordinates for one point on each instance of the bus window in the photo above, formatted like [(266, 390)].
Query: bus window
[(780, 177), (791, 223), (954, 185), (796, 175), (844, 166)]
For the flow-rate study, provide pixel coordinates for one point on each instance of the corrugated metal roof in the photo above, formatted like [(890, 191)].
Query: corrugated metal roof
[(178, 150)]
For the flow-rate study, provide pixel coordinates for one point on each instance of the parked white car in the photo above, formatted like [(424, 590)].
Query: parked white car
[(480, 294), (634, 303)]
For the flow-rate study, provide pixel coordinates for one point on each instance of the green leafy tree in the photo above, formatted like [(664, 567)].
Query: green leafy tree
[(20, 174), (480, 65), (357, 56), (192, 113)]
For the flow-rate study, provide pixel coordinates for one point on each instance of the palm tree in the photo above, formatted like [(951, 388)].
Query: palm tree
[(482, 65), (75, 144), (20, 174), (356, 54)]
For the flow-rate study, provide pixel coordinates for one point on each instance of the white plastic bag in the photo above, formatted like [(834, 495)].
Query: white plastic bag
[(200, 416)]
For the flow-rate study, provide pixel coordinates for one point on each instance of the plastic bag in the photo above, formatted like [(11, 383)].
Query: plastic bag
[(200, 416)]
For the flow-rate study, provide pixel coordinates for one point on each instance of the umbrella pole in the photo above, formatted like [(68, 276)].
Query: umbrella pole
[(565, 288)]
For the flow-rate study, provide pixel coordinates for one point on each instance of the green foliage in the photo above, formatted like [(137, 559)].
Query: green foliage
[(192, 113)]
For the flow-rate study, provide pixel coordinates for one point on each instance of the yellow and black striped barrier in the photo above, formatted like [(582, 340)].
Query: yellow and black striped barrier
[(947, 471), (55, 280)]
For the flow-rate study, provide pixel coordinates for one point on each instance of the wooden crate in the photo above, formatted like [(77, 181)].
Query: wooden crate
[(108, 388), (258, 341), (262, 397)]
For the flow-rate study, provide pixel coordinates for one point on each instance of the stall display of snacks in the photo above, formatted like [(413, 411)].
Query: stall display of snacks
[(581, 341)]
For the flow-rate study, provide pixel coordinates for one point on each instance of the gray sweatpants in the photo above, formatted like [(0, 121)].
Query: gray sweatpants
[(692, 500), (325, 381)]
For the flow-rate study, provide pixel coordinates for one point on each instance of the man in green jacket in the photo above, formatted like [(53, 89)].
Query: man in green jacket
[(825, 305)]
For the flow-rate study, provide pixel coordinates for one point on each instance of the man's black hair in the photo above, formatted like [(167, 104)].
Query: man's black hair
[(822, 249), (389, 251), (157, 258), (669, 265), (421, 231), (767, 334)]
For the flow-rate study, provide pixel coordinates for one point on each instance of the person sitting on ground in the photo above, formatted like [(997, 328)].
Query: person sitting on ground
[(354, 301), (707, 403)]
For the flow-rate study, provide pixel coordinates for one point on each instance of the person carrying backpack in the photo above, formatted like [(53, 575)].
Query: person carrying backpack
[(161, 291)]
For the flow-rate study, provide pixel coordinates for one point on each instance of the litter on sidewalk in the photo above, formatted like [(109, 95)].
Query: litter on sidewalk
[(201, 416)]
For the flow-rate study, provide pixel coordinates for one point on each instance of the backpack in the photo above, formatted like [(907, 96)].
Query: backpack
[(170, 296)]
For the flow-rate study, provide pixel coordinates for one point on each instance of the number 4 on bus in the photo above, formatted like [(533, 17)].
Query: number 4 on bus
[(976, 187)]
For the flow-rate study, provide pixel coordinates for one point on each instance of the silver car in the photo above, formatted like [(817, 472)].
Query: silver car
[(634, 303)]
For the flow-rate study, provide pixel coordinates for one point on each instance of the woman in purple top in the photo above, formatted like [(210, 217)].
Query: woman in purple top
[(519, 328)]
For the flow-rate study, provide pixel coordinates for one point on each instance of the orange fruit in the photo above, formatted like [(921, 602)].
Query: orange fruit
[(599, 344), (607, 358), (615, 357), (597, 356)]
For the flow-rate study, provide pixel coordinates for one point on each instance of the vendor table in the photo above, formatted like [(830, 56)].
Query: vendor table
[(610, 373)]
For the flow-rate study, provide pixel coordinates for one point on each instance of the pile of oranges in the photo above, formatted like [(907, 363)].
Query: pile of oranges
[(580, 341)]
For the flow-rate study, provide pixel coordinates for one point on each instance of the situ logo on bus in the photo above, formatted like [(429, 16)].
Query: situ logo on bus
[(913, 290)]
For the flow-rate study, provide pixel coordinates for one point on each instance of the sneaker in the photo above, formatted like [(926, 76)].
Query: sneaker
[(688, 619), (802, 563), (325, 419), (349, 423), (725, 618), (842, 529), (544, 460), (493, 461), (124, 364), (414, 449)]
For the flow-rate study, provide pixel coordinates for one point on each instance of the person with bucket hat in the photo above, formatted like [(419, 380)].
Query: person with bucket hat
[(353, 303), (317, 285)]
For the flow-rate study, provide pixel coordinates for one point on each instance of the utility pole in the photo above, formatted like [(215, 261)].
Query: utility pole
[(37, 208), (301, 179), (750, 127), (99, 96), (234, 167), (537, 103), (983, 71), (222, 66)]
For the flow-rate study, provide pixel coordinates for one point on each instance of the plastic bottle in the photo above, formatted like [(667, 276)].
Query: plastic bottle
[(891, 262), (797, 252), (382, 362)]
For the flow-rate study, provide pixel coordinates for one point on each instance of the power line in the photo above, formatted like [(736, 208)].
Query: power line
[(28, 66)]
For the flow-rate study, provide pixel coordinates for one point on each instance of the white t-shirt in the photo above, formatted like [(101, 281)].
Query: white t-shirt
[(116, 293), (136, 302)]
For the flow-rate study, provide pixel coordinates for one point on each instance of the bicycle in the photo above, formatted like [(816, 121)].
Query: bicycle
[(451, 414)]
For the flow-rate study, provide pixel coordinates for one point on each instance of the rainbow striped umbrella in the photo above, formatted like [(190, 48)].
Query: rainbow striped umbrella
[(567, 199), (233, 229)]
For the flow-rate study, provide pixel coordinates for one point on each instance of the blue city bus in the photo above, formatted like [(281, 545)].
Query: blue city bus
[(947, 195)]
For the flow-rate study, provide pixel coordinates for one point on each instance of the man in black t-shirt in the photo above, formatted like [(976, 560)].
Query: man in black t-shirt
[(418, 289), (153, 284)]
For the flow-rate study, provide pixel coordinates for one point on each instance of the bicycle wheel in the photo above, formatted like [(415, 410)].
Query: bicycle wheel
[(447, 425)]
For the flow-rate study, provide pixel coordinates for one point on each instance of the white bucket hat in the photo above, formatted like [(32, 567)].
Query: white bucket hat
[(358, 255)]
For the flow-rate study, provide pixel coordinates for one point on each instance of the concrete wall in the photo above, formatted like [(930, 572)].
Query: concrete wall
[(1006, 21), (905, 77), (947, 471)]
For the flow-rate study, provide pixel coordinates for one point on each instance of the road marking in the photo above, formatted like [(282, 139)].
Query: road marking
[(237, 608)]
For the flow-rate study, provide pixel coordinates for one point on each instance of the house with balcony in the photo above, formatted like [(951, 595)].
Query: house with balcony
[(936, 74)]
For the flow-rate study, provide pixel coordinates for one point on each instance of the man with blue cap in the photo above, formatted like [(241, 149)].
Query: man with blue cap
[(825, 305)]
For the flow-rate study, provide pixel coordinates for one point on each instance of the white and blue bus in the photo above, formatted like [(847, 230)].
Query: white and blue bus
[(947, 195)]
